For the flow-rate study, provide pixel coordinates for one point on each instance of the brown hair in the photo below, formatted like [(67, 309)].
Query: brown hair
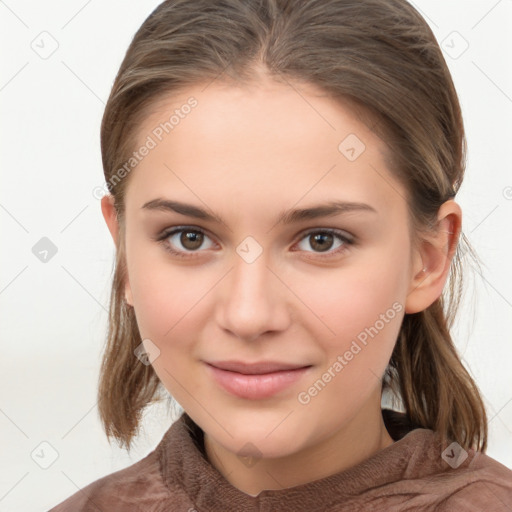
[(378, 56)]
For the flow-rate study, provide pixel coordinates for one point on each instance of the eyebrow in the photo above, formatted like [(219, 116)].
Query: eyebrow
[(286, 217)]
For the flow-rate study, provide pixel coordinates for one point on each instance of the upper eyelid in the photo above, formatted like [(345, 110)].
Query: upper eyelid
[(165, 233), (335, 231)]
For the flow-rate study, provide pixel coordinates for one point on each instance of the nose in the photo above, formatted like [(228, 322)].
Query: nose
[(253, 301)]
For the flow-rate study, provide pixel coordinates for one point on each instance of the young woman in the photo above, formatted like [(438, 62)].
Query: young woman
[(281, 178)]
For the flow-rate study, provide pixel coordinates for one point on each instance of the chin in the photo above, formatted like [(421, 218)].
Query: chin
[(250, 437)]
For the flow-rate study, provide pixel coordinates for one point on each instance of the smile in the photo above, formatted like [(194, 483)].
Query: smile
[(256, 386)]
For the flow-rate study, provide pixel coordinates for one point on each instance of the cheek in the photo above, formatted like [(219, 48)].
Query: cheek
[(353, 300), (361, 313), (363, 322), (168, 299), (166, 308), (163, 303)]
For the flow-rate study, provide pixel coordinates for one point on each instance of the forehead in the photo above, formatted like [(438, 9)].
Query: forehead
[(260, 109), (268, 141)]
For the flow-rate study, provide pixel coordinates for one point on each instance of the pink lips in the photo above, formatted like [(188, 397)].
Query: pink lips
[(255, 381)]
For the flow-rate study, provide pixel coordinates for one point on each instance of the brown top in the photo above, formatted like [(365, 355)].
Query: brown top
[(415, 473)]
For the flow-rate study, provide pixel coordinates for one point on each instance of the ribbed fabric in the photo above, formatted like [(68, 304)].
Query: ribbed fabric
[(409, 475)]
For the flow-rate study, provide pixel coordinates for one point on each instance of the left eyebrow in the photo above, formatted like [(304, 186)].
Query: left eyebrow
[(323, 210), (286, 217)]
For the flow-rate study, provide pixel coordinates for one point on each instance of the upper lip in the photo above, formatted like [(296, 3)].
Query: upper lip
[(255, 368)]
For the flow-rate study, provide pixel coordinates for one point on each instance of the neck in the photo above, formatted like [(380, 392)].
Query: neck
[(355, 442)]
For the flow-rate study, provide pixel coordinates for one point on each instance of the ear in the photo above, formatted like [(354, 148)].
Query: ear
[(431, 262), (110, 215), (109, 212)]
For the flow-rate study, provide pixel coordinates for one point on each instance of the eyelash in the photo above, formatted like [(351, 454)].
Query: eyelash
[(162, 239)]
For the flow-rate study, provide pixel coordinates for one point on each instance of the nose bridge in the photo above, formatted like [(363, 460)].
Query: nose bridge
[(252, 303), (250, 280)]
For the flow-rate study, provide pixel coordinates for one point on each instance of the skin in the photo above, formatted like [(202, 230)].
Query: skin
[(248, 153)]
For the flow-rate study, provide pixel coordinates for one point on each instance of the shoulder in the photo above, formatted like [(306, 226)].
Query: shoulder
[(138, 485), (455, 479), (481, 483), (447, 477), (156, 483)]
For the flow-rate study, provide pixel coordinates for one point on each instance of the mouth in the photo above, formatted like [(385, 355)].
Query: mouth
[(255, 381), (260, 368)]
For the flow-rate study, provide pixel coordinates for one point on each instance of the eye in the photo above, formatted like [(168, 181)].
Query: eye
[(323, 240), (183, 241), (186, 241)]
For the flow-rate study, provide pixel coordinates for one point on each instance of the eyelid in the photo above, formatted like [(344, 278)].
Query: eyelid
[(167, 232), (344, 236), (339, 232)]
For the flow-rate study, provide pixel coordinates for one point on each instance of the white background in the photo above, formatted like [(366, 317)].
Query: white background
[(54, 313)]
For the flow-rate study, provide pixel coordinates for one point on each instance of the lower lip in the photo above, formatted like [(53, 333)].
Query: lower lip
[(256, 387)]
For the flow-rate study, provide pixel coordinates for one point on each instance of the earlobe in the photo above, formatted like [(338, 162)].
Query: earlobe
[(432, 265), (128, 293)]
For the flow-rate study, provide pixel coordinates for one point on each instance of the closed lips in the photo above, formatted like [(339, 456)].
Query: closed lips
[(260, 368)]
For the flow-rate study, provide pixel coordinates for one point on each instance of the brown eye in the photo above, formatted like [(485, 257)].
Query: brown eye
[(191, 240), (184, 241), (321, 241)]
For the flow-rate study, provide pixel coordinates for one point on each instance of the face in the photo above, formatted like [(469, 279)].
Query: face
[(251, 281)]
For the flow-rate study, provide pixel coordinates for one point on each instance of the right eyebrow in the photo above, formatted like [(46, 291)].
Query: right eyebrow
[(183, 208)]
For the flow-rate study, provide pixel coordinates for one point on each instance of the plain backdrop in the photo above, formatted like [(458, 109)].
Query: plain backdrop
[(58, 63)]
